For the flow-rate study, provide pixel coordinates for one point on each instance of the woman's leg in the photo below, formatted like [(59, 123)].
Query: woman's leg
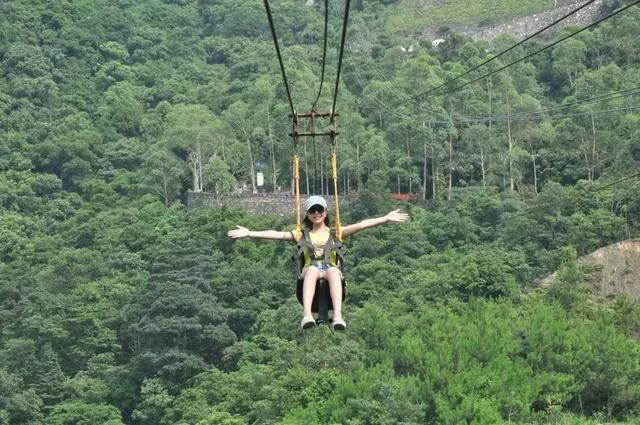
[(334, 277), (309, 289)]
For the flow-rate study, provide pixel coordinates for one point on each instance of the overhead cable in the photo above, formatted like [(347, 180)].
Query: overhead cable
[(535, 52), (344, 35), (504, 51), (324, 52), (275, 42)]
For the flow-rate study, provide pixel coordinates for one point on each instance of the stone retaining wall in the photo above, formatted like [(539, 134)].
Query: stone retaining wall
[(281, 204)]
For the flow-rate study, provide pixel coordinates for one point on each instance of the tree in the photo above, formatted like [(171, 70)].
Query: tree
[(192, 132), (81, 413), (165, 172)]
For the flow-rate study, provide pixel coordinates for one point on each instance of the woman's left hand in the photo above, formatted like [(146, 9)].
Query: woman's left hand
[(397, 217)]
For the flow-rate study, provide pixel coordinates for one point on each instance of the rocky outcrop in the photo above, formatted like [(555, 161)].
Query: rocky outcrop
[(620, 269), (523, 26), (617, 270)]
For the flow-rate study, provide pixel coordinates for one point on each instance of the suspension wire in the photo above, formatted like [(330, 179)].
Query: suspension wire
[(532, 114), (593, 99), (597, 99), (537, 51), (571, 115), (514, 117), (324, 52), (275, 42), (342, 42), (620, 180), (312, 129), (504, 51)]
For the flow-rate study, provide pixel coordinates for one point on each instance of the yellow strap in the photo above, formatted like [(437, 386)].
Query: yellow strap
[(334, 166), (296, 176)]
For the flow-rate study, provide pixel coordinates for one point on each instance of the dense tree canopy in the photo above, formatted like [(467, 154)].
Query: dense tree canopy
[(120, 305)]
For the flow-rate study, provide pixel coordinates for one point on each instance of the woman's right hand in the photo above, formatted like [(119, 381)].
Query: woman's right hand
[(239, 232)]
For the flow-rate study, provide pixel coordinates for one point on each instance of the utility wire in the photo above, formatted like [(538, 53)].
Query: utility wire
[(625, 178), (275, 42), (513, 117), (536, 52), (324, 52), (344, 35), (504, 51), (598, 98), (594, 99), (571, 115)]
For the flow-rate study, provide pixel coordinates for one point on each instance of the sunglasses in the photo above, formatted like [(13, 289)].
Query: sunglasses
[(316, 209)]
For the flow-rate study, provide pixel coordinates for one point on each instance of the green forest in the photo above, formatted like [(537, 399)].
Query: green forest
[(119, 305)]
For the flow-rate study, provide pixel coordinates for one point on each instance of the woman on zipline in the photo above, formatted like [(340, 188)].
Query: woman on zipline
[(316, 265)]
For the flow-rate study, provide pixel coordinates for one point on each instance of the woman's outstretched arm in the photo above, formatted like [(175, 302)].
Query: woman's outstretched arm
[(242, 232), (393, 217)]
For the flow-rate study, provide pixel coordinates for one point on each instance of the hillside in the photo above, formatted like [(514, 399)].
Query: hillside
[(119, 304), (617, 270), (522, 26), (429, 17)]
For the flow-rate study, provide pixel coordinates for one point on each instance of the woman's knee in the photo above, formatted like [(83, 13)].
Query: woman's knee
[(334, 273)]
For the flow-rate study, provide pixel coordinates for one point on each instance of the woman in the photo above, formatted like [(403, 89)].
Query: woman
[(316, 222)]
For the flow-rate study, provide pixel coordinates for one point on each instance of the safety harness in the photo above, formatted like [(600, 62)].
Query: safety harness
[(305, 246), (322, 302)]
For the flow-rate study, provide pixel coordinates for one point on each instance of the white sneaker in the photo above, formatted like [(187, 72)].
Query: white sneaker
[(339, 324), (307, 322)]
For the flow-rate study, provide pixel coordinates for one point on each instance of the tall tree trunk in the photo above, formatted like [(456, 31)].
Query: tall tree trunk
[(511, 182), (535, 169), (272, 149), (358, 173), (252, 168), (200, 167), (322, 173), (345, 182), (490, 92), (409, 161), (165, 190), (424, 165), (434, 168), (594, 160), (484, 185), (450, 194), (193, 166), (588, 162)]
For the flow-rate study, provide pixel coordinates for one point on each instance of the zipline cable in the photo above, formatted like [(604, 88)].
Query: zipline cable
[(594, 99), (275, 42), (597, 99), (535, 52), (573, 114), (504, 51), (620, 180), (514, 117), (344, 35), (324, 52)]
